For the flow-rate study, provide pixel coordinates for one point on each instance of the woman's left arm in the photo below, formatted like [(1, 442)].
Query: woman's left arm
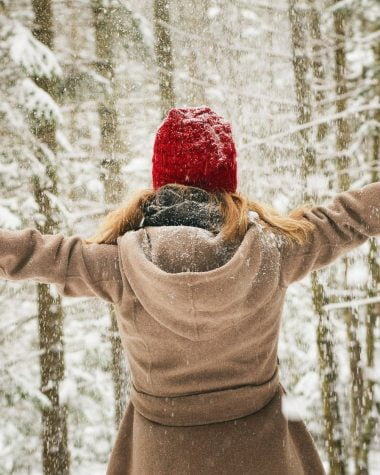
[(77, 269)]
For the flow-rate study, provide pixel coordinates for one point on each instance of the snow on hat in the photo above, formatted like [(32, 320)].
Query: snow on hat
[(194, 147)]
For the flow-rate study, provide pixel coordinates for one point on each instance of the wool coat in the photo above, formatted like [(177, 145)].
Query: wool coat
[(199, 322)]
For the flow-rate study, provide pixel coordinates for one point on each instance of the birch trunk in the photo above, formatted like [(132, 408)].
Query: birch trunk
[(55, 453)]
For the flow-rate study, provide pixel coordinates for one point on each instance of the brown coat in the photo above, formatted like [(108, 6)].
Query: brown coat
[(199, 323)]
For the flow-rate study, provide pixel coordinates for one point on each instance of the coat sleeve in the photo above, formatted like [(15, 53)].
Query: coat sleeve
[(77, 269), (346, 223)]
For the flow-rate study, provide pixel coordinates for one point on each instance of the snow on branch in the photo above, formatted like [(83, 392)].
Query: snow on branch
[(31, 54), (350, 303), (36, 100)]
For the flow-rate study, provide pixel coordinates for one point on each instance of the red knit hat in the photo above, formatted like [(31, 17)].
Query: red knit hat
[(194, 146)]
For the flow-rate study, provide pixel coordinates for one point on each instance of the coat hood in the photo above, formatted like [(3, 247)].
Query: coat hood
[(194, 282)]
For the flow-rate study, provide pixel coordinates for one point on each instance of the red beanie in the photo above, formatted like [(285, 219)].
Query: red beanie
[(194, 146)]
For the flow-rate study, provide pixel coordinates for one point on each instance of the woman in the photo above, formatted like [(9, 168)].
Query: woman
[(198, 276)]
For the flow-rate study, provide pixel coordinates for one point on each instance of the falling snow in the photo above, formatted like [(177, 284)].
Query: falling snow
[(79, 125)]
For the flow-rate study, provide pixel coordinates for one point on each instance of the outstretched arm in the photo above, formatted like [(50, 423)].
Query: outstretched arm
[(77, 269), (352, 218)]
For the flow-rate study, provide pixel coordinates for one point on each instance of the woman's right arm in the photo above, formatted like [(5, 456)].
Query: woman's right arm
[(77, 269), (346, 223)]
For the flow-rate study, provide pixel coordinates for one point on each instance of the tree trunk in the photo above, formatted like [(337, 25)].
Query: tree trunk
[(373, 310), (327, 361), (75, 46), (55, 455), (164, 55), (328, 374), (343, 129), (350, 316), (110, 176), (301, 65), (196, 22), (317, 63)]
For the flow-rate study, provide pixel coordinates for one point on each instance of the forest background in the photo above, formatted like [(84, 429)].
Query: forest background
[(84, 85)]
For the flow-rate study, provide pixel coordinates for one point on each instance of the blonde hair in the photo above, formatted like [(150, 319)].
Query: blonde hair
[(234, 210)]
